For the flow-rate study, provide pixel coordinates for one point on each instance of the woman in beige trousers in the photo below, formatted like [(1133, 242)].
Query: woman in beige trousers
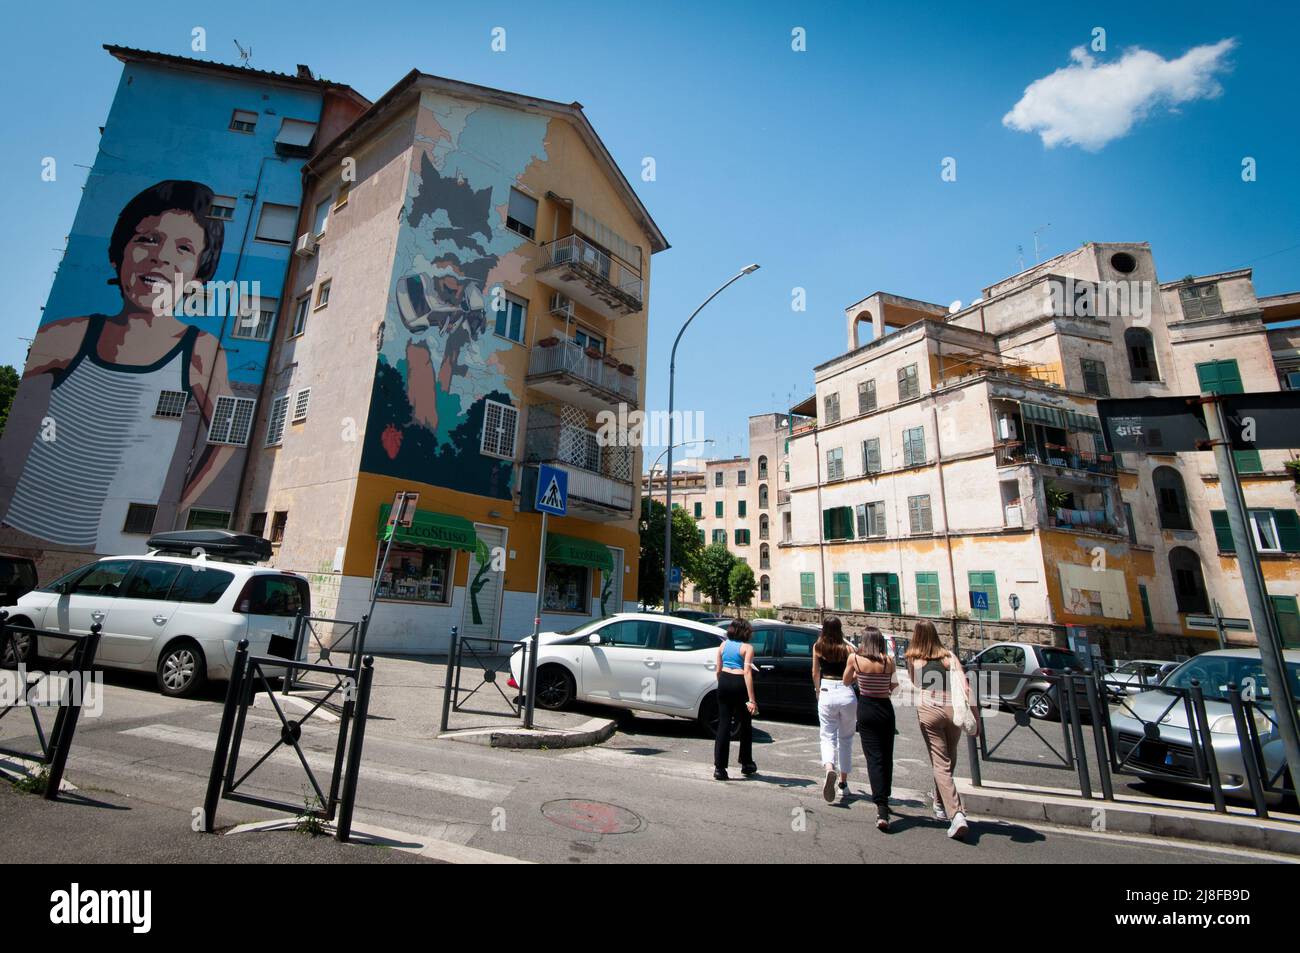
[(935, 672)]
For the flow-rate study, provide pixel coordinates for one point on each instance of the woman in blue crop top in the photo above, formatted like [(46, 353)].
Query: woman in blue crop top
[(735, 696)]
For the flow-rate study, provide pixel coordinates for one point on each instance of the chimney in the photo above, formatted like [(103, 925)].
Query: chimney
[(304, 72)]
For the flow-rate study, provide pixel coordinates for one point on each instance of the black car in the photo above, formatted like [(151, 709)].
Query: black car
[(17, 578), (783, 667)]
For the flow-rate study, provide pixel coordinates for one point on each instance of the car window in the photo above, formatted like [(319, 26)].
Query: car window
[(105, 579), (275, 595), (67, 579), (1015, 656), (798, 643), (204, 586), (1059, 659), (631, 633), (152, 580), (762, 641), (682, 639), (1216, 672), (994, 655)]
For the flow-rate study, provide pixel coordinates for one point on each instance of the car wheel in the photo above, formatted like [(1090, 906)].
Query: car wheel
[(1040, 705), (708, 719), (182, 670), (555, 687), (19, 647)]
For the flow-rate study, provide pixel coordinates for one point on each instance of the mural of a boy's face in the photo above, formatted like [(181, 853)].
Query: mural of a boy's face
[(160, 257)]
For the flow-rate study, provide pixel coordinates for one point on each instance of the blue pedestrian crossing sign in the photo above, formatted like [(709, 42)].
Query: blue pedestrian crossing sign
[(552, 490), (979, 600)]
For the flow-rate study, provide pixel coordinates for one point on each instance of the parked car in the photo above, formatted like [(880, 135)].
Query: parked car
[(1019, 681), (1138, 675), (1168, 755), (695, 615), (172, 612), (17, 577), (783, 667)]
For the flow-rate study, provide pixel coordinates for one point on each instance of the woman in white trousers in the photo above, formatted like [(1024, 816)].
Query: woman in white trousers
[(837, 706)]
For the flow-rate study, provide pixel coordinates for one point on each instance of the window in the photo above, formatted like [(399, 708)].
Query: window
[(909, 384), (682, 639), (1141, 355), (871, 456), (275, 423), (927, 594), (880, 592), (255, 323), (1189, 583), (267, 594), (866, 397), (717, 478), (631, 634), (764, 594), (222, 208), (1248, 461), (1094, 378), (918, 514), (499, 424), (742, 537), (1200, 301), (762, 496), (843, 600), (171, 404), (585, 339), (787, 524), (323, 294), (987, 583), (232, 418), (762, 526), (418, 574), (341, 199), (277, 223), (1272, 530), (207, 519), (1286, 613), (510, 319), (301, 307), (152, 580), (202, 585), (1219, 377), (257, 524), (699, 510), (807, 590), (320, 219), (1171, 499), (717, 508), (831, 403), (835, 464), (139, 519), (798, 643), (1264, 528), (762, 468), (1123, 262), (278, 519), (914, 447), (837, 523), (742, 477), (740, 509), (104, 579), (764, 556), (1132, 524), (702, 536), (521, 215), (243, 120), (875, 519), (294, 137), (720, 536), (300, 403)]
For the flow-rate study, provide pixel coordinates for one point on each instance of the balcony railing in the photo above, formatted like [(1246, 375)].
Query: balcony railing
[(1080, 519), (1012, 453), (566, 360), (598, 476), (591, 275)]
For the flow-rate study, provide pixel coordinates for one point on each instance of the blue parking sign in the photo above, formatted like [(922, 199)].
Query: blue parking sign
[(552, 490), (979, 600), (675, 578)]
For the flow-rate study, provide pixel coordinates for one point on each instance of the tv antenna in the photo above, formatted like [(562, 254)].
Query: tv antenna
[(1020, 258), (244, 54), (1040, 229)]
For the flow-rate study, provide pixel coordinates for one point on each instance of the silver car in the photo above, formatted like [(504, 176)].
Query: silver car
[(1138, 675), (1169, 755)]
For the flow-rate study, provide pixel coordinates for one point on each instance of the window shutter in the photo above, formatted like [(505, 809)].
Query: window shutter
[(1248, 461), (1222, 531), (1288, 530), (895, 602)]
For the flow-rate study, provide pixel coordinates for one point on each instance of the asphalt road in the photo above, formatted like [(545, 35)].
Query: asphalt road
[(646, 796)]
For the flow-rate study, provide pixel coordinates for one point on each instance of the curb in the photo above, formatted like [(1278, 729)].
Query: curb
[(591, 732), (1131, 817), (369, 835)]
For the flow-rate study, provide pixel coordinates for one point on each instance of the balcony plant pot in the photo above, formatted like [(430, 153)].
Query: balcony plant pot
[(549, 342), (594, 354), (626, 369)]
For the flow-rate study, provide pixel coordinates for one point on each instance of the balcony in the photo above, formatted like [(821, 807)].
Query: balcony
[(566, 372), (1012, 453), (590, 276), (1096, 521), (600, 478)]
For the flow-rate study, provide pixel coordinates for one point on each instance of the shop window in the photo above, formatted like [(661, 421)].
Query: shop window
[(417, 574), (567, 588)]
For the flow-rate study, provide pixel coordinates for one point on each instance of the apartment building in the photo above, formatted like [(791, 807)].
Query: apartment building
[(960, 453), (468, 294), (137, 398)]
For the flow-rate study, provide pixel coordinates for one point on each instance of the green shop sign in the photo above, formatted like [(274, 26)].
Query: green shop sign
[(578, 552), (431, 529)]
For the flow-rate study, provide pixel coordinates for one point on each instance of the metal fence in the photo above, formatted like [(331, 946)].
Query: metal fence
[(477, 665), (19, 644), (323, 641)]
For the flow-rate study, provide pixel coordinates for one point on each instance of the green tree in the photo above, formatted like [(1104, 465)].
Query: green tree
[(741, 583), (713, 573), (686, 548), (8, 385)]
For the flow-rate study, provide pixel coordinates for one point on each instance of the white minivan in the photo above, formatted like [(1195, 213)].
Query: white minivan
[(179, 611)]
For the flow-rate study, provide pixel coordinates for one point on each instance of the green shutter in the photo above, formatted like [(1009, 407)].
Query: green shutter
[(699, 511), (927, 593), (984, 582), (1220, 377), (842, 598), (742, 508), (717, 508), (1288, 530), (1222, 531), (807, 590), (895, 598), (1148, 624), (1287, 615), (1248, 461)]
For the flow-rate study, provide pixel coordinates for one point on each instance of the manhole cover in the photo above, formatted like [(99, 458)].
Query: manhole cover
[(593, 817)]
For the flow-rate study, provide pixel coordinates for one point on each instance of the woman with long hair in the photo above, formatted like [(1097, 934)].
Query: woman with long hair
[(735, 668), (935, 673), (872, 668), (837, 707)]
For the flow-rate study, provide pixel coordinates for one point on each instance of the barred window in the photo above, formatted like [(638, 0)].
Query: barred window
[(499, 425), (171, 403), (300, 405), (275, 425), (232, 418)]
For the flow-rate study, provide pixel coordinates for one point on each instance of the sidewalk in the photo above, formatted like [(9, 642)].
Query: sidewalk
[(1132, 813)]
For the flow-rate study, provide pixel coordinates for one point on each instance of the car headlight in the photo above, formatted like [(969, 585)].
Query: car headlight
[(1227, 724)]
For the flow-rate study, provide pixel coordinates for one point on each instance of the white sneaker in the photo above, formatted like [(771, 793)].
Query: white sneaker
[(939, 813), (828, 789), (958, 828)]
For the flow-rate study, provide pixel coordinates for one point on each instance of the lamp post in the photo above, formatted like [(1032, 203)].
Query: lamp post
[(668, 515), (672, 373)]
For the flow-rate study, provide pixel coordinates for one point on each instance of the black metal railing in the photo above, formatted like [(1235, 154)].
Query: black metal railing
[(323, 641), (488, 671)]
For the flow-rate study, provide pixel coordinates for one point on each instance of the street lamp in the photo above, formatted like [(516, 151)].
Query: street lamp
[(672, 373), (687, 443)]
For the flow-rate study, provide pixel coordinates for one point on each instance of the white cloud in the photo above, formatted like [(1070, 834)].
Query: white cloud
[(1087, 105)]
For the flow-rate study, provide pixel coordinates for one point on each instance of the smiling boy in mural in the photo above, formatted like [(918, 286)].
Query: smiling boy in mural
[(108, 436)]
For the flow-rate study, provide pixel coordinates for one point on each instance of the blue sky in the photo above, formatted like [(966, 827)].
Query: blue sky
[(823, 166)]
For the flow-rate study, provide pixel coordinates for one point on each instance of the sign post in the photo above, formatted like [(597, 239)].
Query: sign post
[(979, 602), (1219, 623), (552, 498), (1014, 601), (402, 514)]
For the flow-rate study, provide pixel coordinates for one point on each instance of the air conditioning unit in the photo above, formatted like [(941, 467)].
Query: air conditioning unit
[(561, 306), (306, 246)]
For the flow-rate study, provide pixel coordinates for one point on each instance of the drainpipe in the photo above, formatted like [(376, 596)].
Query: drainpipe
[(821, 521), (943, 508)]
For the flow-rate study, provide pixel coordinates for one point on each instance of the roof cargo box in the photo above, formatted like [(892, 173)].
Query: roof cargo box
[(213, 543)]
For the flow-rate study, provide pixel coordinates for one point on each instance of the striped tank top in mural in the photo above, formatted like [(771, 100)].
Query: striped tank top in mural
[(109, 447)]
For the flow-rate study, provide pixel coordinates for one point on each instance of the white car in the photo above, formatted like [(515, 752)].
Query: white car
[(636, 660), (178, 615)]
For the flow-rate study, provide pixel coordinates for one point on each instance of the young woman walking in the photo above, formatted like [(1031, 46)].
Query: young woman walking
[(935, 673), (837, 708), (735, 663), (872, 667)]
